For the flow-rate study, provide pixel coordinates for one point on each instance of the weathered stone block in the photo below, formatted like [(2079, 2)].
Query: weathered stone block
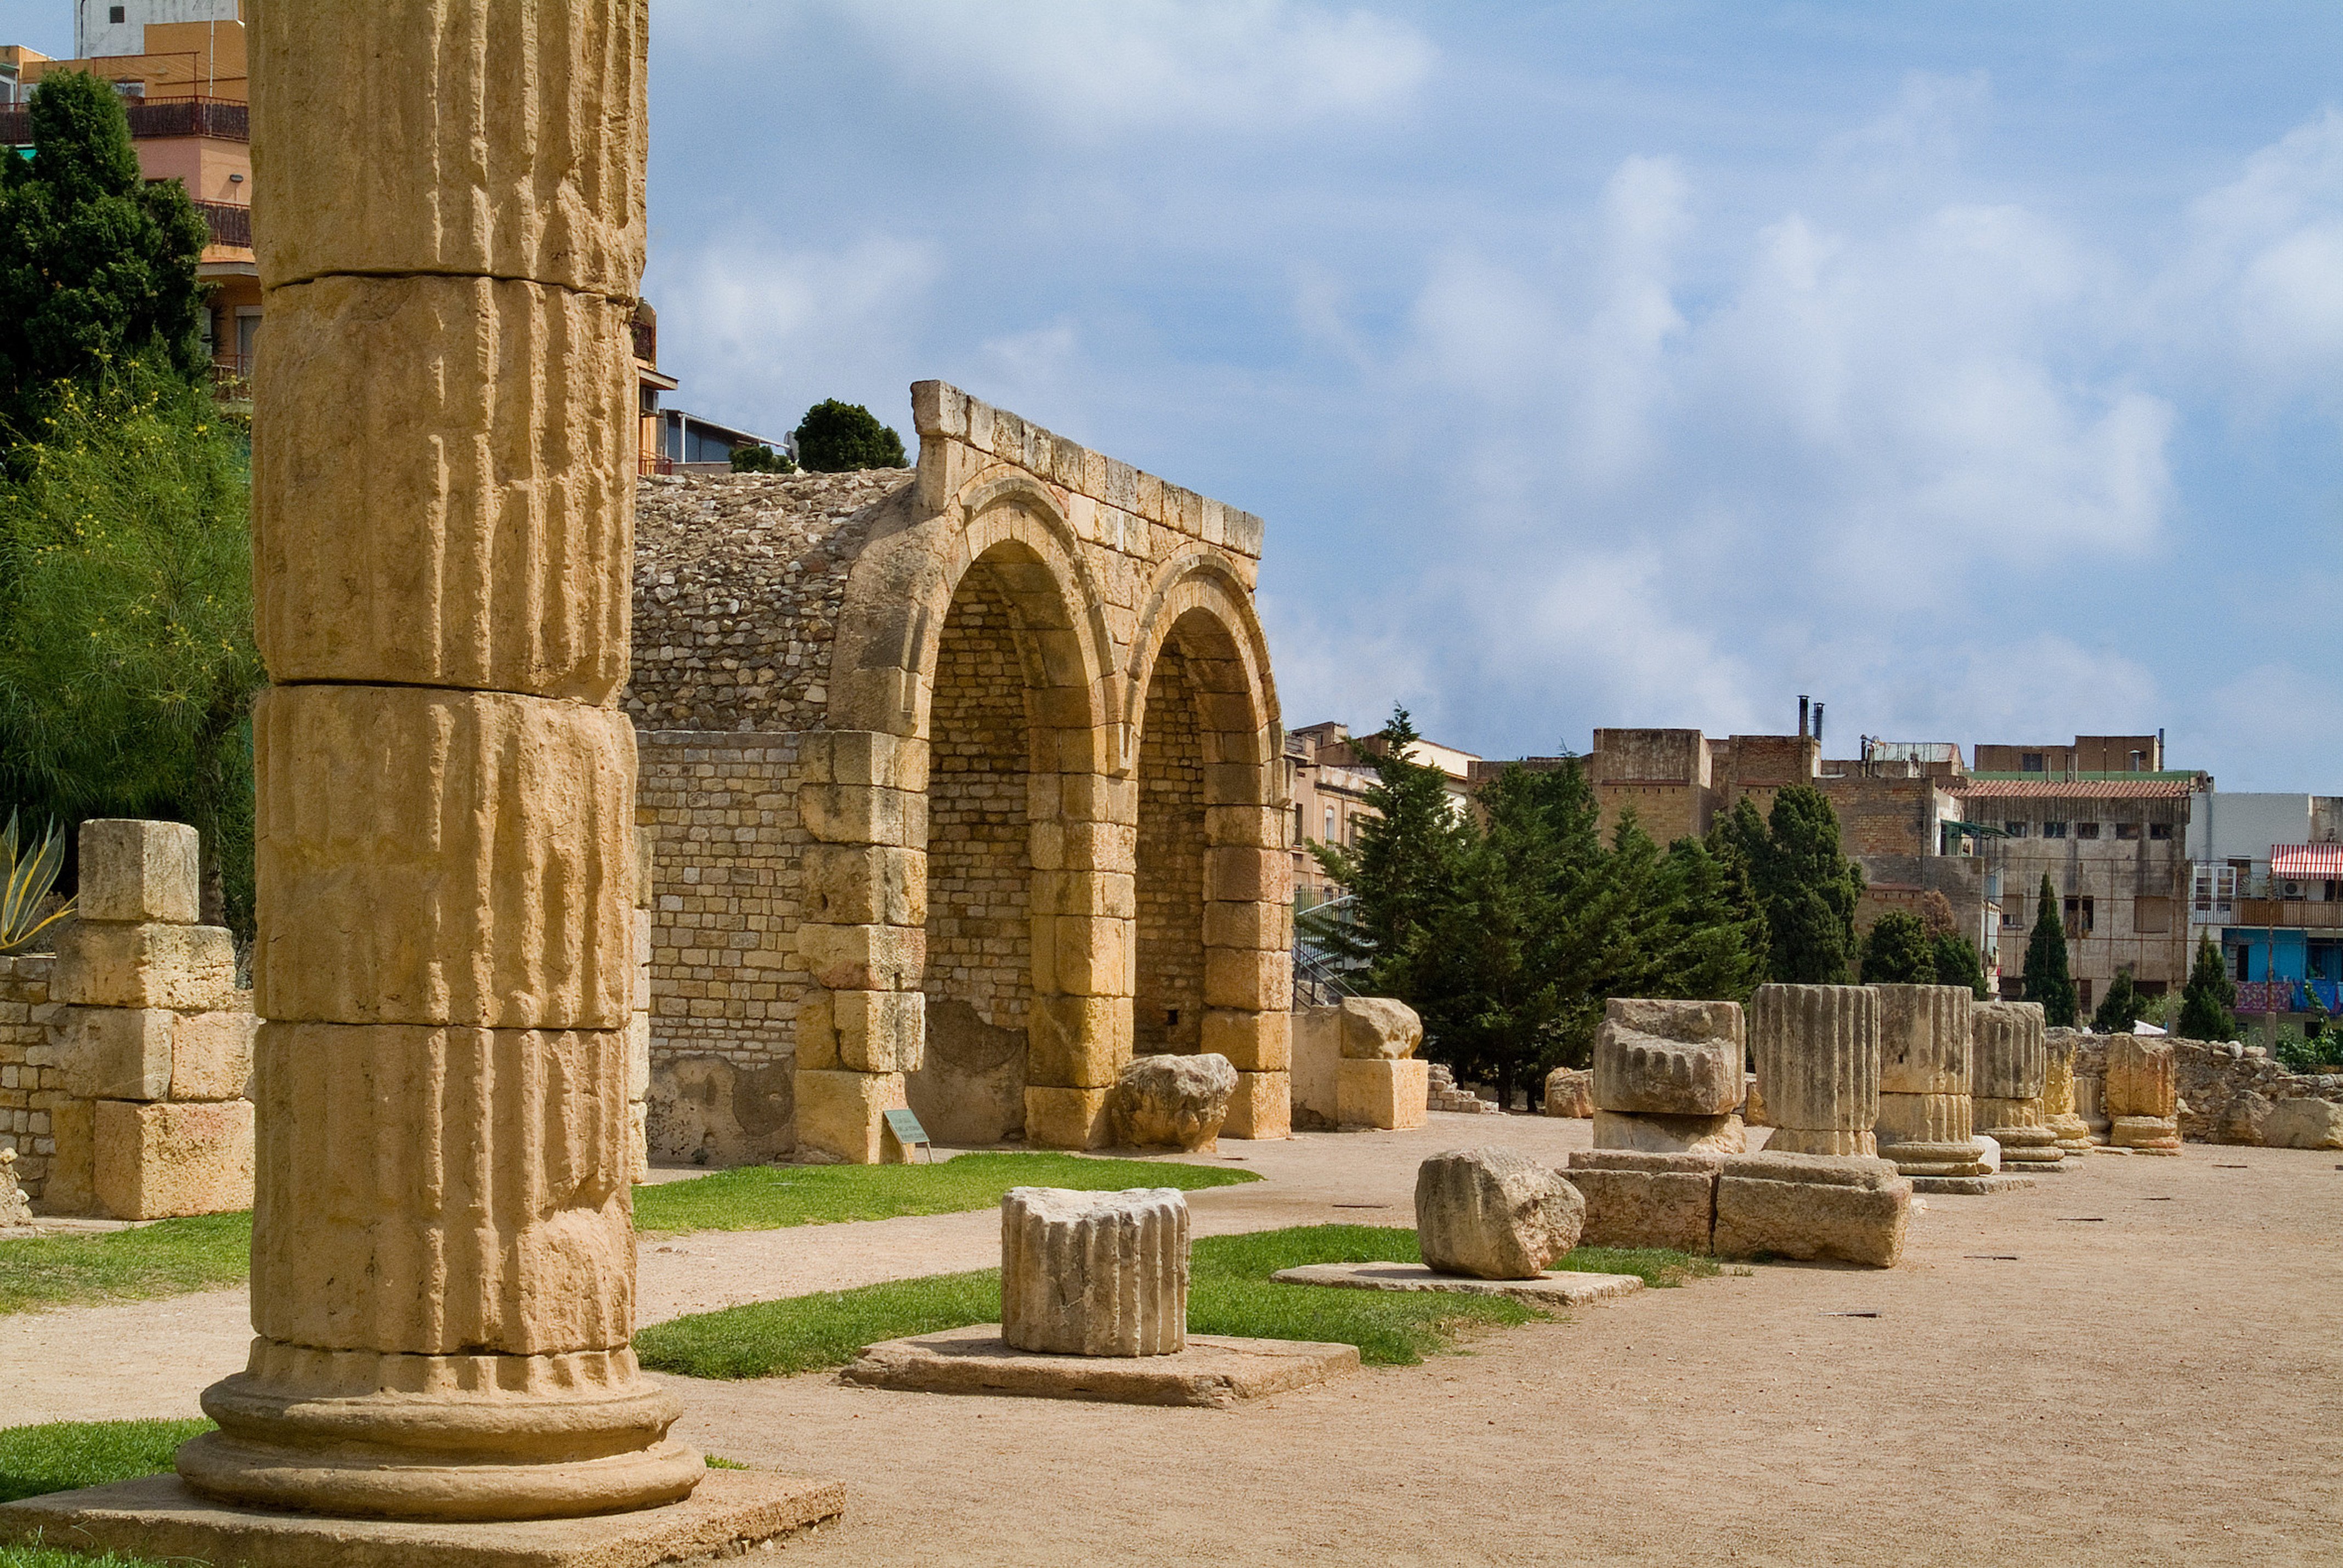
[(1078, 1041), (871, 759), (1317, 1067), (211, 1054), (1636, 1199), (485, 542), (1171, 1101), (455, 857), (1261, 1106), (2011, 1060), (864, 884), (148, 966), (1805, 1206), (1252, 1041), (1238, 875), (841, 1116), (1248, 979), (72, 1184), (863, 957), (1094, 1273), (1084, 955), (1378, 1028), (864, 814), (1065, 1118), (1494, 1213), (2304, 1124), (1570, 1092), (528, 116), (1816, 1049), (2143, 1079), (1835, 1141), (1644, 1134), (1268, 927), (137, 872), (1668, 1058), (638, 1056), (2146, 1134), (862, 1031), (711, 1111), (157, 1161), (1389, 1094), (1925, 1039), (115, 1052)]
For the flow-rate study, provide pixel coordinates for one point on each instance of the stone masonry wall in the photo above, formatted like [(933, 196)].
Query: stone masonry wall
[(31, 1080), (2226, 1089), (1168, 1002)]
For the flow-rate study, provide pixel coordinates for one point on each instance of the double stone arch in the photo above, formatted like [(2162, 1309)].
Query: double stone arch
[(999, 828)]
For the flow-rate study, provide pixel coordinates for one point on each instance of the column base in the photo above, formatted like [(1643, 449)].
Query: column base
[(358, 1434)]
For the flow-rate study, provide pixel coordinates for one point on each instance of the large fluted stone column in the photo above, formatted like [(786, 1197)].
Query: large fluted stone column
[(1816, 1048), (2062, 1110), (2008, 1077), (1925, 1064), (450, 235), (2143, 1091)]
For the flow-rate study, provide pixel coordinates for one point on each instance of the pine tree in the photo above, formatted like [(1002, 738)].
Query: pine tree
[(1806, 885), (2119, 1008), (1401, 872), (1959, 962), (1897, 953), (2048, 981), (97, 268), (2209, 1002)]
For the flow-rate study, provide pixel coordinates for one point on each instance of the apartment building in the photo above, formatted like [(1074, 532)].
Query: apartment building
[(1329, 774), (2266, 882)]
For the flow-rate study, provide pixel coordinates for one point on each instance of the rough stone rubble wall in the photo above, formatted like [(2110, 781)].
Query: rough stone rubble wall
[(32, 1082), (2224, 1093)]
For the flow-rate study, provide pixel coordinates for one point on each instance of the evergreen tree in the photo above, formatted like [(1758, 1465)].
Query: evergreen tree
[(2048, 981), (97, 268), (837, 437), (1401, 870), (1807, 887), (2209, 1002), (2119, 1008), (1897, 953), (1716, 938), (1959, 962)]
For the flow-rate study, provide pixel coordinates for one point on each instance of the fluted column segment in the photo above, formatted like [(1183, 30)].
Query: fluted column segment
[(1094, 1273), (1926, 1045), (1816, 1049)]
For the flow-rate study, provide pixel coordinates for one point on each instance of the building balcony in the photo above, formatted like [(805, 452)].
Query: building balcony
[(222, 119), (230, 225), (2294, 914)]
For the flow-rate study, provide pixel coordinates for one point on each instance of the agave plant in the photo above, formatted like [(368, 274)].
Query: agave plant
[(24, 884)]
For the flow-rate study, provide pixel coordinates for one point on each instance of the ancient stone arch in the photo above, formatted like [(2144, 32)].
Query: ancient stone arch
[(1033, 766)]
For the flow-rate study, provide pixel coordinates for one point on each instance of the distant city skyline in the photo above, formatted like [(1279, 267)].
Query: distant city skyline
[(1978, 371)]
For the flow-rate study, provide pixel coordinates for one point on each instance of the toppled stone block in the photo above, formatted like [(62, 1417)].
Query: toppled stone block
[(1637, 1199), (138, 872), (1570, 1092), (1806, 1207), (1171, 1101), (1094, 1273), (1668, 1058), (1380, 1092), (1376, 1028), (1670, 1134), (145, 966), (1816, 1048), (1494, 1213), (2304, 1124), (161, 1159)]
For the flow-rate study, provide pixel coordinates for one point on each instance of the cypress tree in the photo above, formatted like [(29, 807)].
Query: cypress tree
[(2048, 981), (2119, 1008), (2208, 1001), (1807, 887), (1897, 953)]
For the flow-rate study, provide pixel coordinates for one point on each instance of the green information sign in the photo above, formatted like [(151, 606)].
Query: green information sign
[(907, 1129)]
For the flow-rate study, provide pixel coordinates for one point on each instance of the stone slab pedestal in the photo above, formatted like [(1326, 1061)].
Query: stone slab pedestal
[(1391, 1095), (1214, 1372), (157, 1516), (1559, 1289), (1971, 1186)]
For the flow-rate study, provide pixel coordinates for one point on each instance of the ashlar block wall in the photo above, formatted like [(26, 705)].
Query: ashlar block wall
[(960, 786)]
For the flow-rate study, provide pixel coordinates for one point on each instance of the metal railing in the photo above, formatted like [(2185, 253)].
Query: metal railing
[(229, 224), (222, 119)]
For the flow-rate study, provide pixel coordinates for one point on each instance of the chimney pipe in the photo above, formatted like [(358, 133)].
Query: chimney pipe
[(1818, 724), (1801, 718)]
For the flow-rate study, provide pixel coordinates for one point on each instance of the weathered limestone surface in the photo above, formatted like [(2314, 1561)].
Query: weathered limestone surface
[(2010, 1078), (1383, 1093), (1808, 1206), (1094, 1273), (1638, 1199), (1173, 1101), (190, 968), (1670, 1134), (139, 873), (1262, 1106), (2305, 1124), (154, 1161), (1570, 1092), (1494, 1213), (1816, 1049), (1378, 1028), (1668, 1058), (2061, 1111), (15, 1210), (2143, 1095), (1926, 1061)]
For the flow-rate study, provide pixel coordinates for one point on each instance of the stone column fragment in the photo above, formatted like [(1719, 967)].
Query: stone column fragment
[(1668, 1076), (1817, 1053), (2009, 1076), (2061, 1102), (442, 1247), (1094, 1273), (1926, 1048), (2143, 1094)]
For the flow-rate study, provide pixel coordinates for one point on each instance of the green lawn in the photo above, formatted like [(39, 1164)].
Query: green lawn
[(65, 1455), (172, 1256), (768, 1197), (1230, 1293), (50, 1557)]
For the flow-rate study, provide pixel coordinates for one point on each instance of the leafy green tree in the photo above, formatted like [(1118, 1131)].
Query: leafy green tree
[(2209, 1002), (1959, 962), (2119, 1008), (1806, 884), (761, 459), (837, 437), (1897, 953), (2048, 981), (1402, 868), (97, 268), (127, 666)]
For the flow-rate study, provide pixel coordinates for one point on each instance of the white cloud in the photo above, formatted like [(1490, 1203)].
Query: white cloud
[(1154, 63)]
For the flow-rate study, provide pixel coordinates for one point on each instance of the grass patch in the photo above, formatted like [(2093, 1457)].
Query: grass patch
[(50, 1557), (64, 1454), (1230, 1293), (203, 1252), (771, 1197)]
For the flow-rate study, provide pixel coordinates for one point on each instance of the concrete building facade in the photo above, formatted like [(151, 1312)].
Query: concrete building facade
[(2266, 882)]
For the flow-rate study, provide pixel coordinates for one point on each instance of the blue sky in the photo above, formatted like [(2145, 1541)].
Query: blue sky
[(1975, 369)]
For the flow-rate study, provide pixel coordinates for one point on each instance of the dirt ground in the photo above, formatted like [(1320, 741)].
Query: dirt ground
[(2139, 1362)]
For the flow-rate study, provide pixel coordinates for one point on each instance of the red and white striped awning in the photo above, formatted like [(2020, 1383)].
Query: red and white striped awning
[(2306, 862)]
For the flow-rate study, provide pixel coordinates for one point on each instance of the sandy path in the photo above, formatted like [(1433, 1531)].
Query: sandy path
[(153, 1358), (2162, 1381)]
